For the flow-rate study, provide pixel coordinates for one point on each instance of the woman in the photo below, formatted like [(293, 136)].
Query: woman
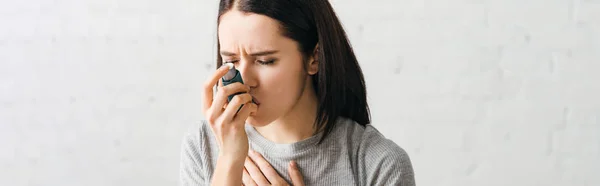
[(304, 118)]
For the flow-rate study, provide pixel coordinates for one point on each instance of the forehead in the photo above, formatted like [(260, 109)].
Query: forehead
[(249, 30)]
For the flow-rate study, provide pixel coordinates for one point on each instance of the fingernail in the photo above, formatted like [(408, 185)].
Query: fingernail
[(293, 163), (228, 65)]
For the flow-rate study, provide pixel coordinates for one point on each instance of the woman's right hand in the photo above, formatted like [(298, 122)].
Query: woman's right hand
[(228, 126)]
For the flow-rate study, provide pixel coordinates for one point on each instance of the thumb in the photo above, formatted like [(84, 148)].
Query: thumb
[(297, 179)]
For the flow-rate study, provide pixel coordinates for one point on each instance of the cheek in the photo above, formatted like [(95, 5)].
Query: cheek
[(282, 82)]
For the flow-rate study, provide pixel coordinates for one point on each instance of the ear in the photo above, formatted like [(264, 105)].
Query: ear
[(313, 63)]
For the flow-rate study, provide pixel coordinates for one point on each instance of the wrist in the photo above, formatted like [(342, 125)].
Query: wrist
[(232, 159), (229, 170)]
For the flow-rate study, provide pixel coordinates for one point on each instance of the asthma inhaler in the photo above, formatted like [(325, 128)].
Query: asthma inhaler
[(232, 76)]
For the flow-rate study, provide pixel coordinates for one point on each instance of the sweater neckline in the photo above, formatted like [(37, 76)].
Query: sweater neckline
[(268, 146)]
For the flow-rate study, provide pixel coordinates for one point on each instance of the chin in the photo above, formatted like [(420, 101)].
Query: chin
[(256, 121)]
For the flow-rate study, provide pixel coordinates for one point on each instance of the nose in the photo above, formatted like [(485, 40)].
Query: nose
[(247, 70)]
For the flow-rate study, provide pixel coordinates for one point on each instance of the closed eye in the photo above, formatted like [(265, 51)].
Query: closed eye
[(268, 62)]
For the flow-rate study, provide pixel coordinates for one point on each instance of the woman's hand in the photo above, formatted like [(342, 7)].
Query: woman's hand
[(228, 126), (257, 171)]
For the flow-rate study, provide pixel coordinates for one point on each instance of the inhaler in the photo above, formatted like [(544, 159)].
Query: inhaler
[(232, 76)]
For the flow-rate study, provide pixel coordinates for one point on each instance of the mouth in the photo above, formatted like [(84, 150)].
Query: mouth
[(255, 101)]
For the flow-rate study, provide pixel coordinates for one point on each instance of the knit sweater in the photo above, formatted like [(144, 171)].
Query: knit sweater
[(351, 155)]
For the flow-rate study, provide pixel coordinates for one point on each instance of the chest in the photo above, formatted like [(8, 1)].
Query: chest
[(318, 169), (318, 166)]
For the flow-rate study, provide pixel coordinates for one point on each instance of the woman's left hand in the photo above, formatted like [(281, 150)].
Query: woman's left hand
[(257, 171)]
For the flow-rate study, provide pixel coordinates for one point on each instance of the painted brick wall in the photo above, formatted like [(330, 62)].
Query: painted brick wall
[(479, 92)]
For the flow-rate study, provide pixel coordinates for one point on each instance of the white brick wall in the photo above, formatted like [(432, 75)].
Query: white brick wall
[(484, 92)]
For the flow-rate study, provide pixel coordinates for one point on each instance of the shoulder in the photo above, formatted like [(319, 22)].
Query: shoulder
[(198, 144), (383, 162), (195, 149), (196, 134), (368, 140), (377, 145)]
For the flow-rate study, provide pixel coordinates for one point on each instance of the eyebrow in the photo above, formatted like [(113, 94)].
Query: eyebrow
[(261, 53)]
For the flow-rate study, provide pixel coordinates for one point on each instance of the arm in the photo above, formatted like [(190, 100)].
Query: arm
[(190, 171), (228, 171), (193, 162)]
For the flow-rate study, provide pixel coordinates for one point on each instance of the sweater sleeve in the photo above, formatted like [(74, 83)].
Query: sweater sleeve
[(190, 171), (386, 163)]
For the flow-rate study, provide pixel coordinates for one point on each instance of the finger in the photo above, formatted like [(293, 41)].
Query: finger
[(225, 105), (265, 167), (255, 173), (220, 85), (214, 111), (234, 106), (244, 112), (221, 98), (209, 84), (294, 171), (247, 180)]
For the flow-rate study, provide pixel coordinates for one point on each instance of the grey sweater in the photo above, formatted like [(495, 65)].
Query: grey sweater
[(350, 155)]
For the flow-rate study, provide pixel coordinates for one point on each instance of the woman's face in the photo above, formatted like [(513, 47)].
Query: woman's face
[(270, 63)]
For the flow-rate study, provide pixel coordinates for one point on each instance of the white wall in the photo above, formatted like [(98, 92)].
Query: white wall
[(479, 92)]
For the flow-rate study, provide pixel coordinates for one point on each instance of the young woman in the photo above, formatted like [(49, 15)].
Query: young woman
[(304, 118)]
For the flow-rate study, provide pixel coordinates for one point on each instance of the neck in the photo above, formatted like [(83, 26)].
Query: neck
[(296, 125)]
